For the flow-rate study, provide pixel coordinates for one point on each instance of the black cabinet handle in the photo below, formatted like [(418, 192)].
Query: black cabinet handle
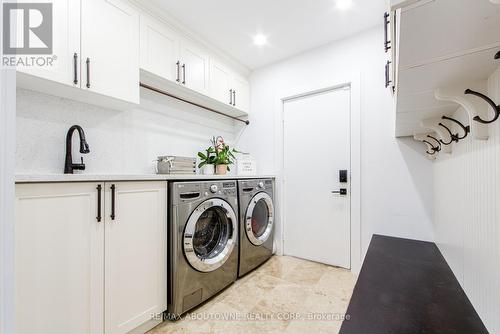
[(183, 74), (387, 42), (75, 68), (234, 98), (231, 97), (113, 188), (99, 199), (179, 71), (88, 72), (387, 74)]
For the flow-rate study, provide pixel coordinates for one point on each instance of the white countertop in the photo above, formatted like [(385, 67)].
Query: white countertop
[(43, 178)]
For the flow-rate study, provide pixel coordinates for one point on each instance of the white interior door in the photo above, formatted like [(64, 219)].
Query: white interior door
[(316, 147)]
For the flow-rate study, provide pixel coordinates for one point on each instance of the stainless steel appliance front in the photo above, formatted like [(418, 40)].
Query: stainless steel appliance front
[(256, 223), (203, 236)]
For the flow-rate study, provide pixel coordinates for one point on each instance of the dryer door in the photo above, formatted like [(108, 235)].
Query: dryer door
[(259, 219), (210, 235)]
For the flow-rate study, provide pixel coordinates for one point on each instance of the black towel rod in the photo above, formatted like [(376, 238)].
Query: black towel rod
[(159, 91)]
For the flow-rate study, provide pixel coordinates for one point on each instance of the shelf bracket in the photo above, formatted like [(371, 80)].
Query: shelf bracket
[(472, 106)]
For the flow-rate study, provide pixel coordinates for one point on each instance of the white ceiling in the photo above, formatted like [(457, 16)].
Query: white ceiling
[(292, 26)]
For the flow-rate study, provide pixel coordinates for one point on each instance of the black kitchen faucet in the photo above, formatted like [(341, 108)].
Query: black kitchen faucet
[(69, 166)]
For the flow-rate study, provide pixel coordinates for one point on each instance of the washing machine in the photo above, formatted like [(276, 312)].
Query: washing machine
[(203, 236), (256, 223)]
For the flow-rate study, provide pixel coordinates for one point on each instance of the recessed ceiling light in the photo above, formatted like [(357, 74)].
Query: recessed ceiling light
[(343, 4), (260, 40)]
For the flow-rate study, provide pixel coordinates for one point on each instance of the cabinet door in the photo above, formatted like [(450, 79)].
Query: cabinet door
[(59, 259), (194, 73), (241, 89), (220, 82), (159, 49), (135, 254), (66, 44), (110, 49)]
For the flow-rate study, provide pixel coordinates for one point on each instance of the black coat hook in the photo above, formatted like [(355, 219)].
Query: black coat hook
[(433, 148), (490, 102), (497, 56), (455, 137), (438, 148)]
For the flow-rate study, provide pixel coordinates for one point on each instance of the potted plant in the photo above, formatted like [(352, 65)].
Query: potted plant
[(224, 156), (208, 159)]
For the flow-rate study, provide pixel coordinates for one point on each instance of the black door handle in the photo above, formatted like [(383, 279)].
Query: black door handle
[(88, 72), (387, 74), (113, 188), (75, 64), (184, 74), (387, 42), (341, 191), (99, 190), (178, 71)]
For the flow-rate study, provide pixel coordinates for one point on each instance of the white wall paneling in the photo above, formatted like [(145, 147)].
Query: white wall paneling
[(467, 215), (396, 183)]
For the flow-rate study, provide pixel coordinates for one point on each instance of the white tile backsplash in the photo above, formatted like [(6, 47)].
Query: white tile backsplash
[(121, 142)]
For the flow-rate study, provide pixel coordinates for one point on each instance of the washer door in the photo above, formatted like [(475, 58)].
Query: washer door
[(259, 218), (210, 235)]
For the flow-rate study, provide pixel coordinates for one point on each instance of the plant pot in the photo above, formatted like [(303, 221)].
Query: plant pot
[(207, 170), (221, 169)]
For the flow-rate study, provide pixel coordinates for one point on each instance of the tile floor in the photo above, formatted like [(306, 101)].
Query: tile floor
[(285, 295)]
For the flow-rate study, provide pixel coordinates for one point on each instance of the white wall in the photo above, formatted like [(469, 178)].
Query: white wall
[(396, 180), (7, 149), (121, 142), (467, 215)]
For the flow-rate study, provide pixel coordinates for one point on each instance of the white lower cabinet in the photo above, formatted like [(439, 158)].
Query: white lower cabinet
[(135, 254), (76, 274)]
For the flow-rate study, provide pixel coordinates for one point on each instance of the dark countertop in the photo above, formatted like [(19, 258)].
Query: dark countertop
[(406, 287)]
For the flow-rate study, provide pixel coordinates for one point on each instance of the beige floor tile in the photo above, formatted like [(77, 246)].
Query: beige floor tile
[(279, 297)]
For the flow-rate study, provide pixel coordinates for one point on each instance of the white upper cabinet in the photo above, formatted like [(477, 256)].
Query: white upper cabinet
[(228, 87), (220, 82), (159, 49), (241, 93), (110, 49), (135, 254), (194, 71), (59, 259), (65, 67)]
